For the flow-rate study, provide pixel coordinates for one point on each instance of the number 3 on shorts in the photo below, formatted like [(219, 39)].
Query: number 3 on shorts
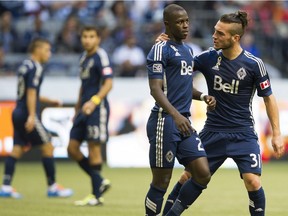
[(256, 159)]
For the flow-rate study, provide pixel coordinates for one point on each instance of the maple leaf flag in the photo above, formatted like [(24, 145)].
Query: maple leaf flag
[(107, 71), (265, 84)]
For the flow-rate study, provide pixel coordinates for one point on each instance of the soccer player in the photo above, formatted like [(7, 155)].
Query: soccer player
[(170, 66), (233, 75), (92, 113), (28, 129)]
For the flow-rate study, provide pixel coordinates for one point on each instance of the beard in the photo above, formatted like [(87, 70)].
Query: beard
[(89, 49), (224, 45)]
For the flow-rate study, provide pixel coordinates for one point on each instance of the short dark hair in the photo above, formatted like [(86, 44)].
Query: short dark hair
[(36, 42), (89, 28), (169, 9), (239, 17)]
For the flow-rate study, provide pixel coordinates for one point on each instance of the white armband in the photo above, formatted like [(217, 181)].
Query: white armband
[(202, 96)]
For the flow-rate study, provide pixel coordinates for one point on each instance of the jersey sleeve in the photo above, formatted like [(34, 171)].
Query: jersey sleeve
[(33, 78), (106, 69), (262, 81), (156, 61)]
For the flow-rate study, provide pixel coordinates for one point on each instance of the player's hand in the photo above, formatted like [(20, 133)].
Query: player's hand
[(162, 37), (88, 107), (57, 103), (210, 101), (30, 123), (183, 124), (278, 145)]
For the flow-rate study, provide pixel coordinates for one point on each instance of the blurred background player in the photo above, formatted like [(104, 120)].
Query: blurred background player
[(170, 67), (233, 75), (28, 130), (92, 113)]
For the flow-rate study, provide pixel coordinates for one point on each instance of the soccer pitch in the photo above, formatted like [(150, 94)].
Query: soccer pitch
[(225, 196)]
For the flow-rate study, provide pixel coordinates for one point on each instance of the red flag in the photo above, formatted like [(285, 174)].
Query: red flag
[(265, 84)]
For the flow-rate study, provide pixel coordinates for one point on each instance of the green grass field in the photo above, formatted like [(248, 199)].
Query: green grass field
[(225, 196)]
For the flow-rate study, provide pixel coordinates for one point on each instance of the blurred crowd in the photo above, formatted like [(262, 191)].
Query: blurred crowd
[(128, 29)]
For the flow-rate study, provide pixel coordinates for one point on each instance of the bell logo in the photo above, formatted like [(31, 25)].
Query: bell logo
[(186, 69), (226, 87)]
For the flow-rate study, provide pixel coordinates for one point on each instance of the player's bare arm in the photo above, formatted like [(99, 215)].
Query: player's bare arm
[(50, 101), (273, 115), (156, 91), (78, 103), (209, 100), (95, 100), (31, 105)]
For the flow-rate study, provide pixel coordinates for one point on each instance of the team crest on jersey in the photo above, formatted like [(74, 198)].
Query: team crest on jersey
[(216, 67), (169, 156), (176, 50), (157, 68), (90, 63), (241, 73)]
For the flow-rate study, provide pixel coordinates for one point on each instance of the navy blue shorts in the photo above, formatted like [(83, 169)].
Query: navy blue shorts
[(242, 147), (92, 127), (166, 143), (37, 137)]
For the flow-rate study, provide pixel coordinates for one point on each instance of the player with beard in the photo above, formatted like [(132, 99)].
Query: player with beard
[(233, 75)]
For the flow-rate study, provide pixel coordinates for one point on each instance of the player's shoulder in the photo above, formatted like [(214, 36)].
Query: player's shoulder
[(102, 56), (208, 54), (161, 45), (252, 59), (157, 51), (29, 63), (100, 53), (26, 66), (210, 51), (254, 63)]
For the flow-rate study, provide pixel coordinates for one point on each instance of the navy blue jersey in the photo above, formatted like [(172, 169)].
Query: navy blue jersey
[(30, 75), (173, 63), (233, 83), (94, 70)]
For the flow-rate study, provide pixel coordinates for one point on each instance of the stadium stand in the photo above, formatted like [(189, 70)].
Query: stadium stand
[(120, 19)]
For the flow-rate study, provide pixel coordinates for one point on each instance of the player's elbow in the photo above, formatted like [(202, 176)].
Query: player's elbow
[(154, 91), (108, 84)]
